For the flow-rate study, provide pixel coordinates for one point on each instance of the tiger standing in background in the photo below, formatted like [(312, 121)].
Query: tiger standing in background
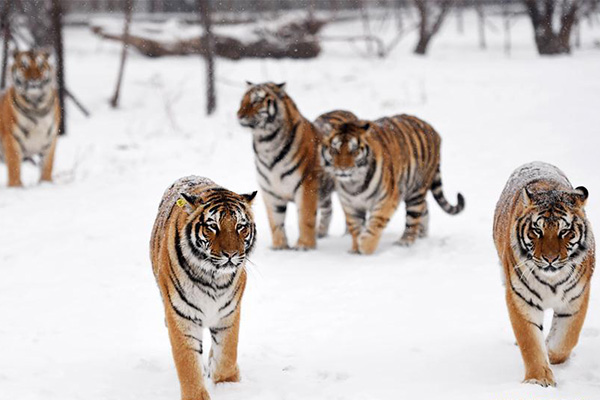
[(324, 124), (286, 148), (200, 242), (547, 251), (29, 115), (378, 164)]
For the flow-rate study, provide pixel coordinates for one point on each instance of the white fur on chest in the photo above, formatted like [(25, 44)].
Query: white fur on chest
[(554, 294), (35, 135), (202, 303)]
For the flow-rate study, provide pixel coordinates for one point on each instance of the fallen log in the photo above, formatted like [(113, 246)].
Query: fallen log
[(296, 39)]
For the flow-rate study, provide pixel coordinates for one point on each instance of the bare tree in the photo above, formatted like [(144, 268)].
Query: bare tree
[(549, 38), (128, 13), (57, 31), (430, 21), (205, 13)]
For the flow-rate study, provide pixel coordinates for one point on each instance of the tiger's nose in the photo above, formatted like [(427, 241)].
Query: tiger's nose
[(229, 255), (549, 261)]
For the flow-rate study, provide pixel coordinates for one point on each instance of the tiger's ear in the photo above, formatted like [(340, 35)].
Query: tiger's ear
[(363, 125), (45, 52), (249, 84), (281, 85), (581, 195), (248, 198), (187, 202), (527, 197)]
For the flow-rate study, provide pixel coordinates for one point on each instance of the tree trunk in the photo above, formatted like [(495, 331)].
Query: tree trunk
[(507, 22), (481, 25), (548, 40), (57, 25), (427, 28), (205, 14), (128, 13), (422, 44), (460, 21), (5, 27)]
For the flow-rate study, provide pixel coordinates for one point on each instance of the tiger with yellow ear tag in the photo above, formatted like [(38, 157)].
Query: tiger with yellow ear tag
[(29, 115), (547, 251), (201, 240)]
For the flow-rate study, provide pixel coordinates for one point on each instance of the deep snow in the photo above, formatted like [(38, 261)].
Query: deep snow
[(81, 317)]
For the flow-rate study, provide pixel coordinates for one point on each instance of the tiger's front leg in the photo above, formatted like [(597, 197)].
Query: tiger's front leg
[(13, 157), (326, 187), (566, 327), (47, 163), (376, 223), (276, 209), (527, 320), (223, 365), (186, 345), (355, 220)]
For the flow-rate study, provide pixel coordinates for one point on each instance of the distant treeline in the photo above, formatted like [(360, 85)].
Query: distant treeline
[(178, 6)]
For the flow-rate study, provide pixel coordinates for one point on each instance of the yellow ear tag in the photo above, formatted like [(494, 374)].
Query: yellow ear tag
[(181, 202)]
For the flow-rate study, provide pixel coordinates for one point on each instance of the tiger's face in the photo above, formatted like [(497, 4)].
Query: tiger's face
[(345, 152), (551, 232), (262, 107), (33, 76), (222, 231)]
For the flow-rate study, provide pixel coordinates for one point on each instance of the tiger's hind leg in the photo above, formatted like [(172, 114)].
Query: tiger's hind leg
[(307, 201), (417, 220), (565, 330), (223, 365)]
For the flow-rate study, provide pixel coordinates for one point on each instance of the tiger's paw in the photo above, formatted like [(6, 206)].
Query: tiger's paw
[(300, 246), (405, 241), (280, 247), (367, 245), (233, 376), (557, 357), (201, 395), (543, 377)]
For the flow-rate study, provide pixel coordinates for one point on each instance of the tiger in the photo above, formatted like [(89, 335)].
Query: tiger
[(201, 240), (547, 252), (324, 123), (378, 164), (29, 115), (286, 149)]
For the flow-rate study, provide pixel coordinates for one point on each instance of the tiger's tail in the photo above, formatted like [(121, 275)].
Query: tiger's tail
[(438, 194)]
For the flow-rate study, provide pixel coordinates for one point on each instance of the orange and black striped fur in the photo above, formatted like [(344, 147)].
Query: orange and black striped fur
[(201, 240), (378, 164), (286, 149), (547, 251), (324, 124), (29, 115)]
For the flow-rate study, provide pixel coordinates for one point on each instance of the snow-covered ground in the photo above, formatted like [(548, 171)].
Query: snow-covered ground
[(81, 317)]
